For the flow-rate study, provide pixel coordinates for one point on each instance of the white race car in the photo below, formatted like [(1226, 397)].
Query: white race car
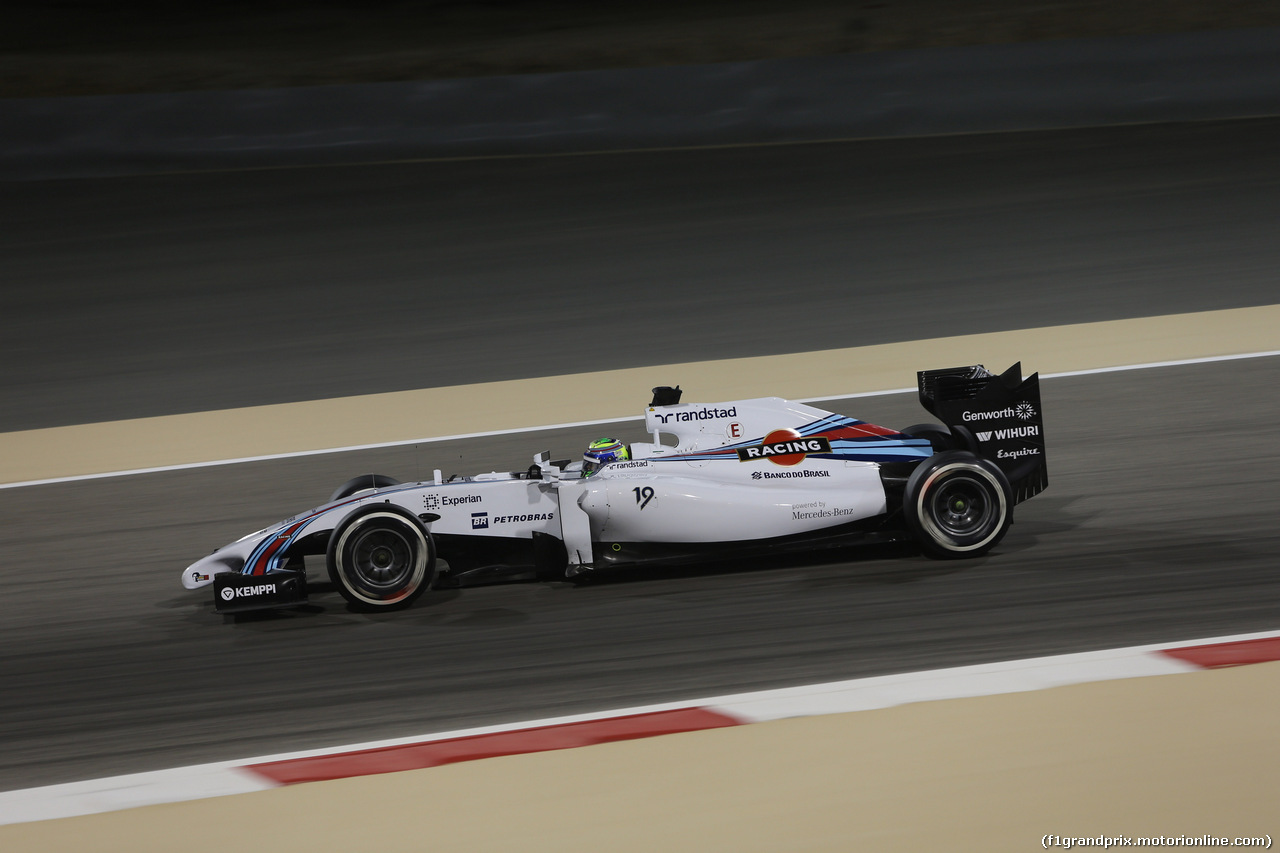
[(738, 478)]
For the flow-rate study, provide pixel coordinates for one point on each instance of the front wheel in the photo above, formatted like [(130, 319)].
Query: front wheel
[(364, 482), (957, 505), (381, 558)]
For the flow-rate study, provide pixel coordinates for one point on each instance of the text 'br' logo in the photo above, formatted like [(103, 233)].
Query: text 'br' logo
[(785, 447)]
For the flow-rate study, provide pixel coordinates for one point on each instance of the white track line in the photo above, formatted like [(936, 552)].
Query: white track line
[(546, 427)]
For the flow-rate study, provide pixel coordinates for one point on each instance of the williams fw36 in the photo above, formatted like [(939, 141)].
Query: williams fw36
[(712, 481)]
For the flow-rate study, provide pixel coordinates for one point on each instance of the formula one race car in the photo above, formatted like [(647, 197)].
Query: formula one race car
[(743, 478)]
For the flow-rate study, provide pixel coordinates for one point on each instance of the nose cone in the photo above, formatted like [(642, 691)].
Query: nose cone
[(197, 575), (201, 572)]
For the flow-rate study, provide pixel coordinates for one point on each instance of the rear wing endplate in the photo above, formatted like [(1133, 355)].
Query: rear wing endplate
[(1001, 413)]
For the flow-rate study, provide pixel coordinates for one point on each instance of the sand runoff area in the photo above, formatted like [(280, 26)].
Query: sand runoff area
[(1187, 755)]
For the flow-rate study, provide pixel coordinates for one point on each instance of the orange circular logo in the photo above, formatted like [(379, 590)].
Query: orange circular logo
[(780, 435)]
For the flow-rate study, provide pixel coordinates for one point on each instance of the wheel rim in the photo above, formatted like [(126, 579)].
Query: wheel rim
[(382, 559), (961, 507)]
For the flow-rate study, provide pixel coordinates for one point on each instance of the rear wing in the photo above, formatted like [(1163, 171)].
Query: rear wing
[(998, 416)]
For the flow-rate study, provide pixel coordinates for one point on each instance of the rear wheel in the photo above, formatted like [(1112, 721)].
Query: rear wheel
[(944, 438), (957, 505), (381, 558), (938, 435)]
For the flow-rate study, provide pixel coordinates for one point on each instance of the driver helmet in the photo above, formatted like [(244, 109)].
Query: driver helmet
[(601, 452)]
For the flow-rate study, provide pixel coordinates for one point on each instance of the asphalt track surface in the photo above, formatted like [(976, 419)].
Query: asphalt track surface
[(131, 297), (1159, 523)]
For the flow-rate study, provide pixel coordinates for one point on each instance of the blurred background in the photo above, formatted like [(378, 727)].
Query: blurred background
[(85, 47)]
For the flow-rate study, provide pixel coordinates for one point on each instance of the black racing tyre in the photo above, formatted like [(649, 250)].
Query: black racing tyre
[(962, 438), (361, 483), (381, 558), (938, 435), (957, 505), (944, 438)]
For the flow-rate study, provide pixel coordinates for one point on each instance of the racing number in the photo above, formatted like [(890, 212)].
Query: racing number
[(643, 495)]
